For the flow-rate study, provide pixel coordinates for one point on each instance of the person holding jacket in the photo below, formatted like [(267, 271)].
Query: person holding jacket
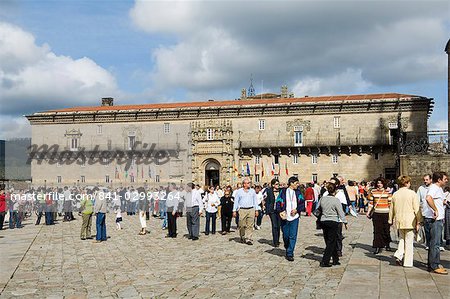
[(289, 204), (405, 210), (332, 215), (271, 195)]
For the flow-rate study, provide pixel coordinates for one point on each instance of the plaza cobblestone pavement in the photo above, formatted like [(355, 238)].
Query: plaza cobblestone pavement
[(52, 262)]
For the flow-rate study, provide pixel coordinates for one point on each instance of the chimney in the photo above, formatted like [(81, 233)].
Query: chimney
[(447, 50), (243, 94), (107, 101), (284, 91)]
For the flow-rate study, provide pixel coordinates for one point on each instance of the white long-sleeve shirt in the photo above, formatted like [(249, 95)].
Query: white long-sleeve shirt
[(212, 201)]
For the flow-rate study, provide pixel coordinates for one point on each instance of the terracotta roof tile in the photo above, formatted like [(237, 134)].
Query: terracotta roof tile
[(247, 102)]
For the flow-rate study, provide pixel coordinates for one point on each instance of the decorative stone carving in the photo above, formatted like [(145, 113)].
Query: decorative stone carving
[(306, 124)]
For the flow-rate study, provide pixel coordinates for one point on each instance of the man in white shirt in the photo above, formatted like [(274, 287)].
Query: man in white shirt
[(194, 206), (434, 220), (422, 194)]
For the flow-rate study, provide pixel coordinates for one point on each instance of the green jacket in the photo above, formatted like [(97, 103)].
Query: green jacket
[(87, 207)]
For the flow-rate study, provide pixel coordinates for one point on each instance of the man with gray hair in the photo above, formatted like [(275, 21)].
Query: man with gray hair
[(246, 204), (194, 206)]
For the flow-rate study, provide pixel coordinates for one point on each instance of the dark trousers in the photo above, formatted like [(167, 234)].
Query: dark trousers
[(172, 224), (434, 255), (100, 225), (226, 221), (330, 234), (2, 219), (381, 230), (259, 218), (39, 216), (49, 218), (340, 237), (276, 225), (193, 221), (210, 217)]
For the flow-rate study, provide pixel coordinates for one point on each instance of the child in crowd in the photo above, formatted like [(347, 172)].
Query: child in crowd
[(118, 218)]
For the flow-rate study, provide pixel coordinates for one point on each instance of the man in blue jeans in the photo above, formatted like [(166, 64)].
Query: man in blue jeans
[(100, 211), (434, 216)]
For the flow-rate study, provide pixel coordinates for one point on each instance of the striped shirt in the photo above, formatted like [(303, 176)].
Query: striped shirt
[(381, 200)]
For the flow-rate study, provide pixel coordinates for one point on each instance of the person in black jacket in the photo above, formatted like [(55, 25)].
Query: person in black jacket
[(270, 196), (226, 212)]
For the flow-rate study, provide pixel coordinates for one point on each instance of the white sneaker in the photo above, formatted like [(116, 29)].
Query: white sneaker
[(441, 248)]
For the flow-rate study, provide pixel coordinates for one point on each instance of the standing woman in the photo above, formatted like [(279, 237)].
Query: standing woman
[(290, 203), (332, 213), (87, 208), (380, 201), (226, 203), (211, 203), (271, 195), (405, 209), (447, 215)]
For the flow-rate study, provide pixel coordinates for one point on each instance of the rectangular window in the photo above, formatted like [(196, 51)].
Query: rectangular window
[(257, 160), (166, 128), (131, 142), (262, 124), (276, 159), (83, 179), (107, 179), (106, 162), (209, 134), (59, 179), (99, 129), (83, 162), (109, 145), (132, 179), (314, 158), (376, 156), (58, 164), (334, 158), (256, 178), (314, 177), (337, 122), (74, 144), (298, 138), (295, 159), (157, 178)]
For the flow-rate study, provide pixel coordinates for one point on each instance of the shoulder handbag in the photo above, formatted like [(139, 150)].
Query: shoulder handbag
[(373, 208)]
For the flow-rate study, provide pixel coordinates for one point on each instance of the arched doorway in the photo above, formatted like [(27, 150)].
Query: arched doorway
[(212, 173)]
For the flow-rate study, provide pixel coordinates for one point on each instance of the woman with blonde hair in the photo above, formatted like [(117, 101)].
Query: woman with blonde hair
[(405, 210)]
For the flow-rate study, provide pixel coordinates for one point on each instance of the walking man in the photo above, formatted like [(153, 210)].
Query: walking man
[(247, 205), (434, 220)]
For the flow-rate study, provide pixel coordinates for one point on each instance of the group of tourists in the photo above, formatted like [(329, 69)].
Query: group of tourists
[(387, 204)]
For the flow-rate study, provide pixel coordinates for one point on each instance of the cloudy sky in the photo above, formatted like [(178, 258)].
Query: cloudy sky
[(67, 53)]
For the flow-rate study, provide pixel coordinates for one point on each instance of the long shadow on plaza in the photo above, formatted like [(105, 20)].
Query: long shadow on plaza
[(316, 254), (265, 241), (276, 251)]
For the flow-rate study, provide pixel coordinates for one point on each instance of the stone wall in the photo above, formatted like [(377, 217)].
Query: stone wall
[(418, 165)]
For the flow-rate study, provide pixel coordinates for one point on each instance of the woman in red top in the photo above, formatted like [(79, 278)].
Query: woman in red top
[(2, 207), (309, 198)]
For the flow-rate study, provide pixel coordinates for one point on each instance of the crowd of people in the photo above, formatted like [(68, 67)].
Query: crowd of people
[(425, 213)]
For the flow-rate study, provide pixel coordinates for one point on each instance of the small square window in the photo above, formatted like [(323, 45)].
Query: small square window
[(337, 122), (166, 128), (262, 124), (334, 158), (209, 134)]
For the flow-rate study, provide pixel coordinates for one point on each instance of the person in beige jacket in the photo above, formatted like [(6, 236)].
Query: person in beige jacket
[(405, 209)]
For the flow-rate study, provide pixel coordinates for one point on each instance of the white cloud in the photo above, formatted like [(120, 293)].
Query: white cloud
[(33, 78), (440, 125), (14, 127), (219, 43), (350, 81)]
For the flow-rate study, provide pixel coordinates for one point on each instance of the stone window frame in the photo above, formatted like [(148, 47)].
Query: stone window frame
[(166, 128), (314, 159), (257, 160), (314, 177), (334, 158), (83, 179), (257, 179), (261, 124), (209, 134), (107, 180), (337, 122), (58, 179), (99, 129)]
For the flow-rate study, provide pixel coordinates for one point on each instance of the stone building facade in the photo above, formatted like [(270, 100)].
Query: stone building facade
[(219, 142)]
